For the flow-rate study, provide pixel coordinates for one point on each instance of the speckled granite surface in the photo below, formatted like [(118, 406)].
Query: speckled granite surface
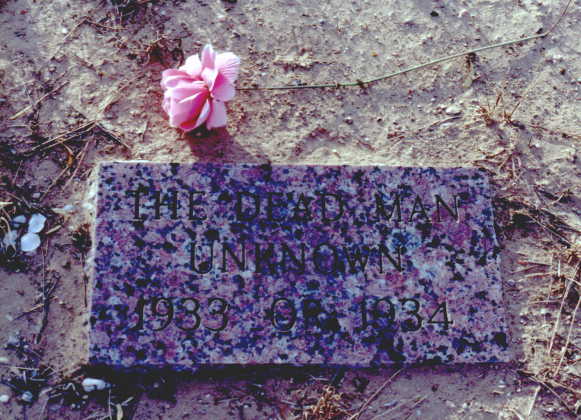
[(200, 264)]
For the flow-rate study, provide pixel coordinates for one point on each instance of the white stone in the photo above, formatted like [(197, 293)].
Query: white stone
[(453, 110), (93, 384), (27, 396), (69, 208), (4, 398), (18, 220), (88, 206), (36, 223), (29, 242), (10, 239)]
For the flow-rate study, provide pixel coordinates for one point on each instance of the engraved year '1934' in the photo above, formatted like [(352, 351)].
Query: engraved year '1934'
[(285, 314)]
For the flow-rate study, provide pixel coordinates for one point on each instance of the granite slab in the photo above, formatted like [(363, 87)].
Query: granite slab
[(213, 264)]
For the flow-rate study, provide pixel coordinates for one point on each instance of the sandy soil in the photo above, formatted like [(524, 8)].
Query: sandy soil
[(79, 83)]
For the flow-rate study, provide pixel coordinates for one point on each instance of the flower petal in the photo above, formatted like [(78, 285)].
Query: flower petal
[(204, 114), (187, 109), (180, 113), (188, 126), (222, 89), (192, 66), (209, 76), (217, 117), (228, 65), (170, 78), (186, 89), (166, 104), (208, 57), (196, 122)]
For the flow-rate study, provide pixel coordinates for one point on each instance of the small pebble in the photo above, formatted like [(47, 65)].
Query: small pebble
[(10, 239), (453, 110), (93, 384), (349, 120), (13, 338), (4, 359), (18, 220), (69, 208), (36, 223), (4, 398), (88, 206), (29, 242), (65, 31), (27, 396)]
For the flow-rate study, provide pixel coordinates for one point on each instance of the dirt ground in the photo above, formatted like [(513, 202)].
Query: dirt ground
[(79, 83)]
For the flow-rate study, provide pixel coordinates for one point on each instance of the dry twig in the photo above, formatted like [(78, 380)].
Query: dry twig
[(42, 98), (374, 395)]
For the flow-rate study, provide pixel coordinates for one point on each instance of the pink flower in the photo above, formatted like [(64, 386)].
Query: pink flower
[(196, 93)]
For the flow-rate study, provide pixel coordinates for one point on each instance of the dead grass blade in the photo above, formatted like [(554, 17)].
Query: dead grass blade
[(25, 110)]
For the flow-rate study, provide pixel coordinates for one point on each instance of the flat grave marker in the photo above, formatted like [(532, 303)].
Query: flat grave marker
[(213, 264)]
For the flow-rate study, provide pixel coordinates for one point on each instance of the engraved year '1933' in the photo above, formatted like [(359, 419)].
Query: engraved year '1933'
[(284, 314)]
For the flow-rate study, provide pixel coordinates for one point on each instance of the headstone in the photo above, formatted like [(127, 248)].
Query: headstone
[(208, 264)]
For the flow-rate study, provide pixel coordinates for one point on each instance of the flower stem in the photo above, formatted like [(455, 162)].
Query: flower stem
[(363, 83)]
